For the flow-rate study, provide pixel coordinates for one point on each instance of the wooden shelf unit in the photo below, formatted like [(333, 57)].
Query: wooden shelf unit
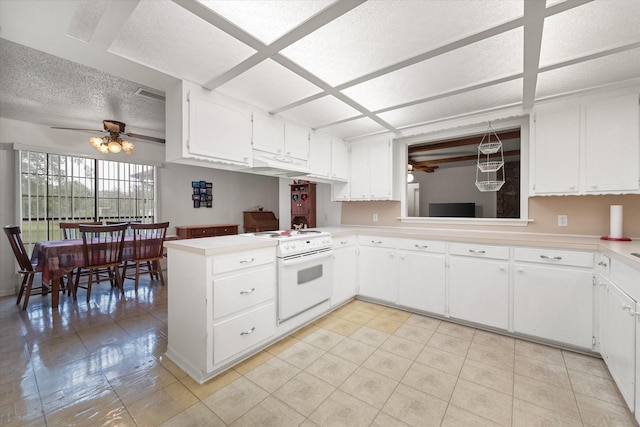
[(303, 205), (195, 231)]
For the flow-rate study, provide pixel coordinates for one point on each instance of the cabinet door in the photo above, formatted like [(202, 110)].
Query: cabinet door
[(268, 134), (296, 141), (556, 150), (320, 154), (612, 147), (421, 281), (554, 303), (218, 131), (339, 159), (380, 169), (360, 176), (479, 291), (618, 347), (345, 276), (376, 274)]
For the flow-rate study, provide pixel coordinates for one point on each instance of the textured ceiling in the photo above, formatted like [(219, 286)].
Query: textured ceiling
[(349, 67)]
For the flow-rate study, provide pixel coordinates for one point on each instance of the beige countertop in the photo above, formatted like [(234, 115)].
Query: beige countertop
[(220, 244)]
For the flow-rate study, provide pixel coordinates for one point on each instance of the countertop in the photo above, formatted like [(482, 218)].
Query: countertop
[(220, 245)]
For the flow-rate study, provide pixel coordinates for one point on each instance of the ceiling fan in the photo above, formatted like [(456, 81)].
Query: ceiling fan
[(114, 129)]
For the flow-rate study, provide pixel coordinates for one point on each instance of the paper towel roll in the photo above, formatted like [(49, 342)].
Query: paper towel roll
[(616, 222)]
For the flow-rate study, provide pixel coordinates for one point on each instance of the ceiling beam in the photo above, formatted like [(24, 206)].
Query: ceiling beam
[(435, 162), (461, 142), (534, 13)]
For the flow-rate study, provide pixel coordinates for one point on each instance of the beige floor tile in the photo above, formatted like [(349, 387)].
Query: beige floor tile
[(253, 362), (14, 390), (197, 415), (282, 345), (488, 376), (101, 408), (304, 393), (162, 405), (106, 335), (395, 314), (22, 412), (353, 315), (458, 417), (59, 350), (585, 364), (596, 412), (236, 399), (342, 326), (527, 414), (414, 333), (352, 350), (340, 410), (272, 374), (175, 370), (596, 387), (202, 391), (370, 336), (384, 324), (141, 382), (369, 386), (542, 371), (557, 399), (455, 330), (365, 306), (414, 407), (483, 401), (332, 369), (539, 352), (494, 356), (441, 360), (301, 354), (491, 339), (402, 347), (77, 388), (423, 322), (387, 364), (451, 344), (323, 339), (271, 412), (303, 332), (385, 420), (429, 380)]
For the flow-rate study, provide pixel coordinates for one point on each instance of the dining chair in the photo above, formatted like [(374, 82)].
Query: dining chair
[(102, 250), (148, 250), (27, 269), (71, 230)]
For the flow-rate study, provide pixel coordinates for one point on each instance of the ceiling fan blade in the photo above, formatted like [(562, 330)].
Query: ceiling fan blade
[(146, 137), (85, 130)]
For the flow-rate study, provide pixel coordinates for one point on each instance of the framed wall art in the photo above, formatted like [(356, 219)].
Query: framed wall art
[(202, 194)]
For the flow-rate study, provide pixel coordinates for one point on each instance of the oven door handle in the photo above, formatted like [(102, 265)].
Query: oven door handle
[(308, 258)]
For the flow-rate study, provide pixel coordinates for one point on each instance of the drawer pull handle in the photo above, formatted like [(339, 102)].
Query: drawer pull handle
[(421, 246), (473, 251), (557, 258), (376, 242), (250, 331), (344, 242), (602, 263), (248, 292), (247, 261)]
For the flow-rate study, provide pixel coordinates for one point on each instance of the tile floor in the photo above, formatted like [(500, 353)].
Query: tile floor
[(362, 365)]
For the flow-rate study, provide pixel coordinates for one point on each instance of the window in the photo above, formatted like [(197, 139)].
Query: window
[(56, 188)]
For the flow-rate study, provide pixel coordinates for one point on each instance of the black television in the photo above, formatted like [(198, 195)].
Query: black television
[(452, 210)]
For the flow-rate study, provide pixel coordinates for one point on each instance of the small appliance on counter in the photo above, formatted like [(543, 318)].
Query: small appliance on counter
[(615, 226)]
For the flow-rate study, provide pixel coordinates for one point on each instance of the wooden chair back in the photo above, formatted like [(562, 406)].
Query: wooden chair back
[(71, 230), (13, 232), (148, 240), (102, 244)]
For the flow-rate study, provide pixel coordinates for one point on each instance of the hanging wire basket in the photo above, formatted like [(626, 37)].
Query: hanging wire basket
[(490, 163), (486, 186)]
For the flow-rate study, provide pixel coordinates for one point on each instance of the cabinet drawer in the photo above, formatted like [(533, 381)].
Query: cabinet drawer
[(627, 278), (240, 260), (480, 251), (236, 292), (225, 231), (603, 265), (202, 232), (554, 257), (379, 242), (243, 332), (344, 241), (422, 245)]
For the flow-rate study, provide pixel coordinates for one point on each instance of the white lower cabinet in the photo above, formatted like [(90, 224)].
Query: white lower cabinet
[(479, 290), (377, 267), (345, 273), (233, 336), (422, 275)]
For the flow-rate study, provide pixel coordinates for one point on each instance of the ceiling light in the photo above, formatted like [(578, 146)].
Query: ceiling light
[(111, 144)]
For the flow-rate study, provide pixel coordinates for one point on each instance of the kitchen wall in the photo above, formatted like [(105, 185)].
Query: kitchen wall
[(588, 215)]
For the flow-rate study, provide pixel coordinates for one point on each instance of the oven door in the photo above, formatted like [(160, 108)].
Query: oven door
[(304, 281)]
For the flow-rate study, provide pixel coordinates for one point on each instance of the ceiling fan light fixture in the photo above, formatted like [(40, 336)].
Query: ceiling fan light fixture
[(127, 147), (114, 147), (96, 141)]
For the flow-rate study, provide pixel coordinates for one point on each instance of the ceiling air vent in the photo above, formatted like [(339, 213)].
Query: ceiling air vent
[(152, 95)]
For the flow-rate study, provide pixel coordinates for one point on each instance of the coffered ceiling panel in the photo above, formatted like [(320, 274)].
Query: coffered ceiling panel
[(382, 33), (269, 85), (361, 126), (269, 20), (484, 61), (501, 95), (593, 27), (589, 74), (166, 37), (324, 110)]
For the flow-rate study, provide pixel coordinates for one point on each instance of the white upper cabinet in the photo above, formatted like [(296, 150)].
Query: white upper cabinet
[(274, 136), (587, 146), (320, 155), (296, 141), (339, 159), (206, 128), (371, 170)]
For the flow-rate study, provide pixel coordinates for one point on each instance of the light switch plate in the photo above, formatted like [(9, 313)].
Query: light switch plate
[(563, 220)]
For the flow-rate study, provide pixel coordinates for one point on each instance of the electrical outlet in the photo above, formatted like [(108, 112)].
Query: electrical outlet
[(375, 217), (563, 220)]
